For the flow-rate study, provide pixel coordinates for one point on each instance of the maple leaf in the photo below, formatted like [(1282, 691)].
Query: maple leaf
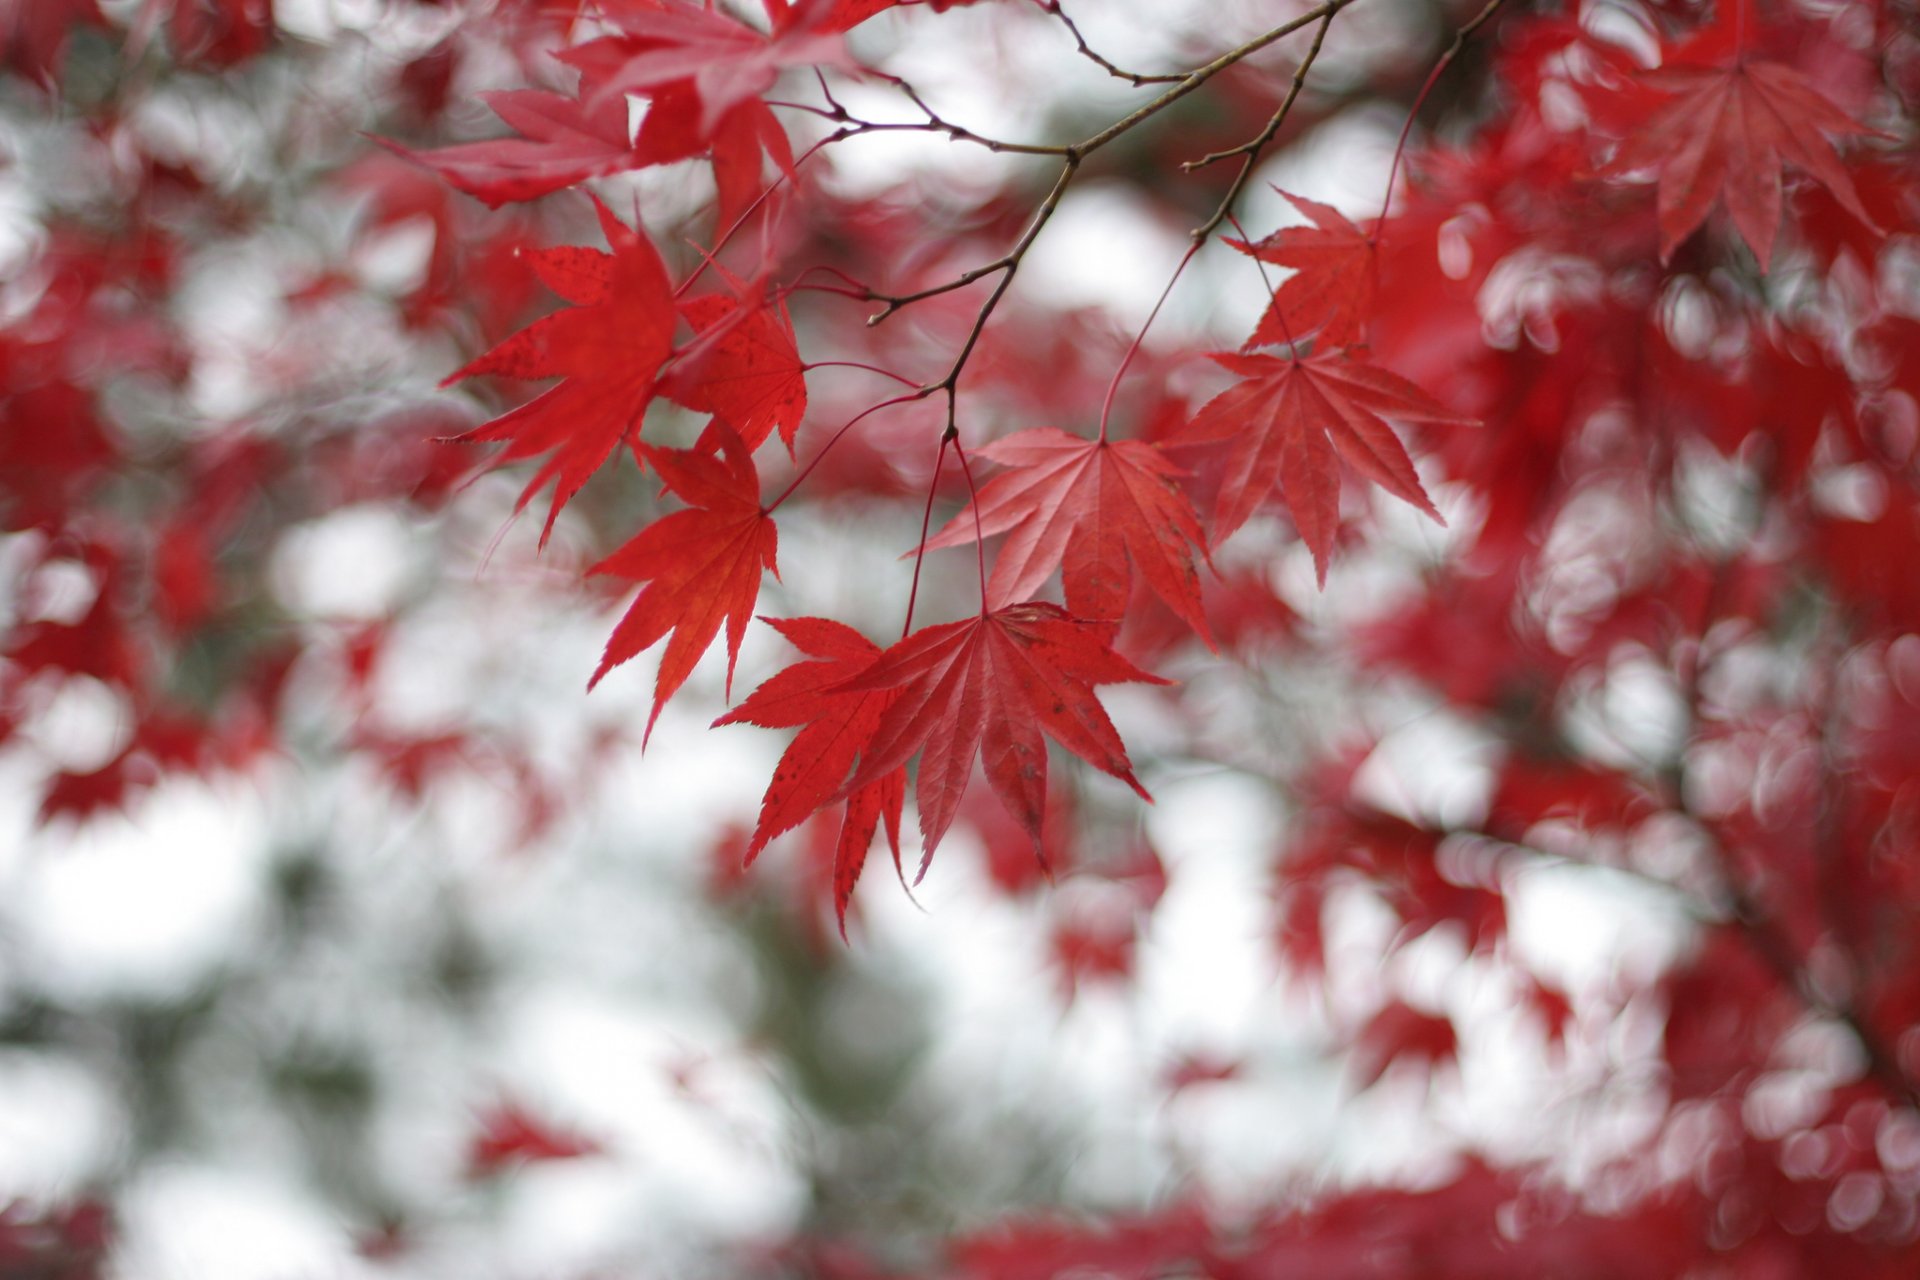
[(1097, 509), (1292, 420), (562, 141), (702, 566), (835, 726), (738, 146), (988, 686), (743, 368), (606, 349), (1726, 136), (675, 126), (1331, 290), (728, 62)]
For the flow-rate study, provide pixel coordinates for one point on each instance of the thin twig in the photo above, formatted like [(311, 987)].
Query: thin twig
[(1008, 263), (1460, 38), (1133, 78), (1249, 151), (1200, 75), (854, 126)]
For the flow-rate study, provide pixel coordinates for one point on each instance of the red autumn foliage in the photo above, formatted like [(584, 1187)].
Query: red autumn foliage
[(510, 1135), (1639, 322)]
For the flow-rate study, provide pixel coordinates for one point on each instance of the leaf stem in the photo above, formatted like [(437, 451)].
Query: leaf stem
[(856, 364), (919, 394), (1133, 348), (926, 522), (741, 220), (979, 534), (1460, 38), (1286, 330)]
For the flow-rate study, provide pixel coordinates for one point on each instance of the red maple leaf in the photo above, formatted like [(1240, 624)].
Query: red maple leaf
[(835, 726), (562, 141), (988, 686), (675, 126), (606, 349), (1099, 508), (666, 42), (743, 368), (1291, 422), (1726, 136), (1331, 290), (702, 566)]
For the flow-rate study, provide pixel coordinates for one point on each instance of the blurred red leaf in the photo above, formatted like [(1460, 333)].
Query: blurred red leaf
[(510, 1135)]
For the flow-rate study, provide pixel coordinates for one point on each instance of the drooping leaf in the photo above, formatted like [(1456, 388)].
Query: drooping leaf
[(988, 686), (1095, 509), (835, 727), (701, 566), (606, 349), (1330, 294), (1293, 420), (1726, 135)]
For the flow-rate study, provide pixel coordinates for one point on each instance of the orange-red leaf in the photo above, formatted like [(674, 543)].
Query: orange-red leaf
[(1095, 509), (1726, 136), (988, 687), (1293, 420), (1331, 291), (606, 350), (835, 726), (701, 566)]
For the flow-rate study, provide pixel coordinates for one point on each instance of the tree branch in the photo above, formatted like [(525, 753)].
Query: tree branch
[(1133, 78)]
